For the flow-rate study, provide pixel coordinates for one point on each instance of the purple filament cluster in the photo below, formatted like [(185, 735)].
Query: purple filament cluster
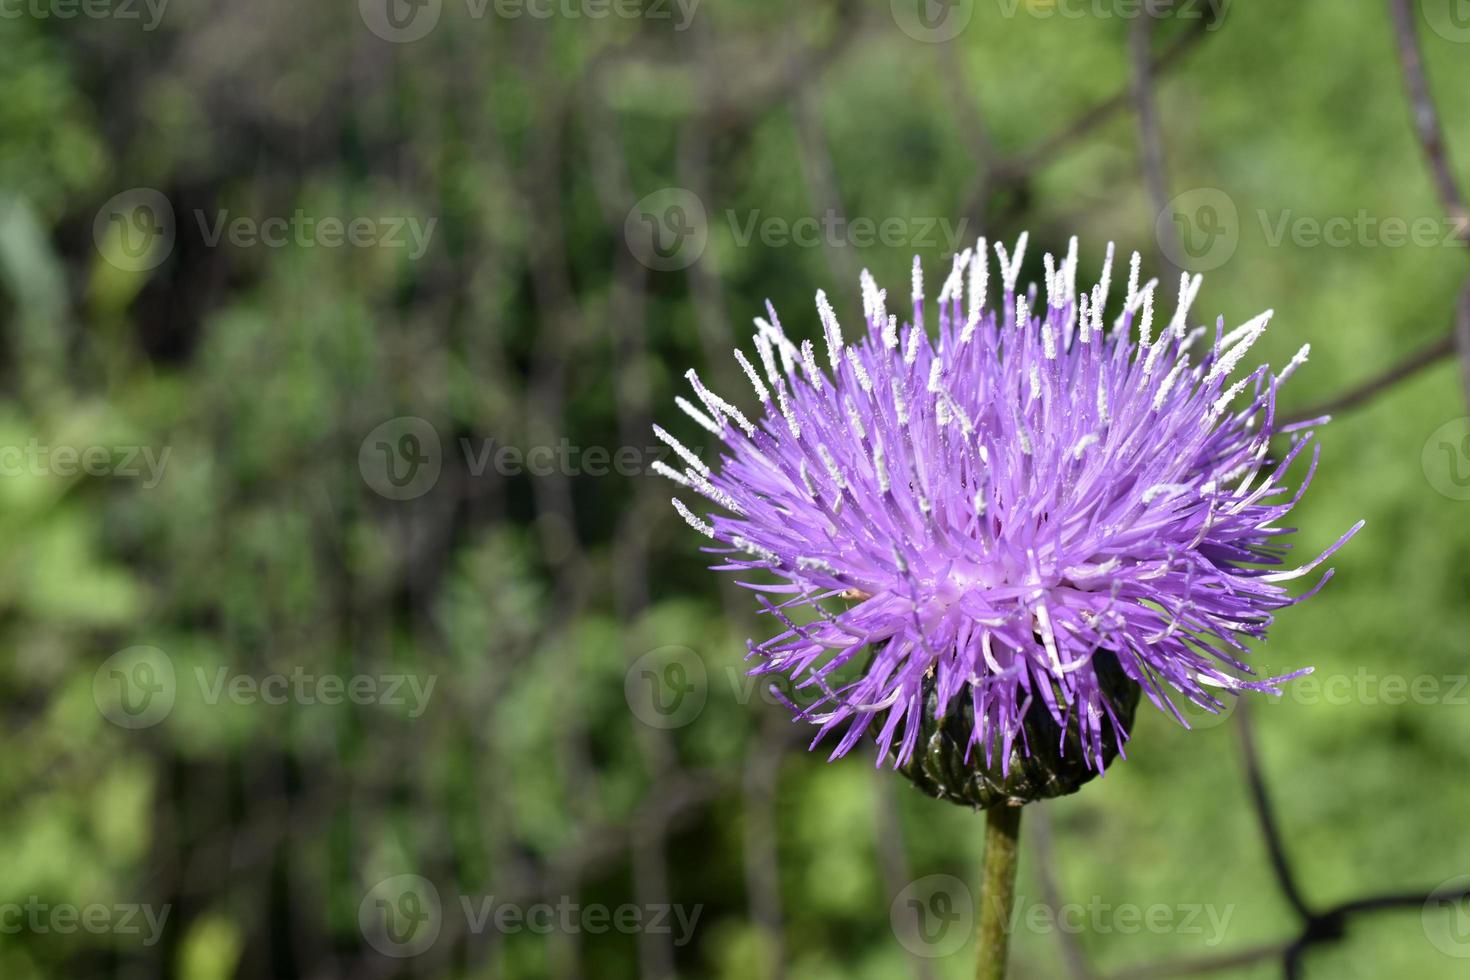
[(984, 500)]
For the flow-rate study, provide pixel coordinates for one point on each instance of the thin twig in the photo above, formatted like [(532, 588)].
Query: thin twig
[(1073, 955), (1462, 337), (1099, 113), (1436, 153), (1151, 141), (1276, 848), (968, 117), (1004, 175), (1407, 900), (821, 177), (893, 855), (1402, 371), (1202, 966), (1426, 117), (762, 858)]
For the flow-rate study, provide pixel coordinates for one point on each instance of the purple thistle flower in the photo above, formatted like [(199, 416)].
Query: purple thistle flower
[(997, 507)]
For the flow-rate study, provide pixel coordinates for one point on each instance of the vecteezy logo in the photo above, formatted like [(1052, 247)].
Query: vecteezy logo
[(1450, 19), (932, 20), (934, 916), (401, 458), (134, 688), (667, 229), (400, 21), (134, 230), (1446, 917), (667, 687), (401, 916), (1199, 229), (1446, 459)]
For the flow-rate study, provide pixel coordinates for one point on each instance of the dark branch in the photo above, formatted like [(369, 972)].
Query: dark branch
[(1203, 966), (1261, 799), (1073, 955), (1150, 139), (1426, 117), (1462, 337), (1091, 118), (1376, 385)]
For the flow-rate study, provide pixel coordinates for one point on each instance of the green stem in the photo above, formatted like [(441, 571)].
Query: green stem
[(998, 889)]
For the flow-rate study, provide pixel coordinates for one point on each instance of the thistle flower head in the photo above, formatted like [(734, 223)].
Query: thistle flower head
[(983, 509)]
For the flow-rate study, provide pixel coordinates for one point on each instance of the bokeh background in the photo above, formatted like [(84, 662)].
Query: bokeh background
[(339, 604)]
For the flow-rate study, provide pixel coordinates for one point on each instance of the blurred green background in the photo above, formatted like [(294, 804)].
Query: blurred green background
[(220, 625)]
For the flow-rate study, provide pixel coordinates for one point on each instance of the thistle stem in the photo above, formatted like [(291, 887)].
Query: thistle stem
[(998, 889)]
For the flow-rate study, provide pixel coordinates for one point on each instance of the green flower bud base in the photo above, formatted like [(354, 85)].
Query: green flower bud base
[(1055, 766)]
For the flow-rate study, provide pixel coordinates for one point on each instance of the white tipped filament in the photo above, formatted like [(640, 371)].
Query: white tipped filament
[(1100, 297), (1169, 381), (785, 405), (817, 565), (1253, 325), (1224, 400), (714, 493), (831, 465), (1188, 290), (761, 391), (1237, 343), (1297, 360), (956, 412), (870, 294), (787, 349), (831, 329), (890, 332), (1164, 490), (751, 548), (1134, 265), (864, 381), (663, 469), (705, 422), (1069, 271), (706, 529), (1010, 267), (979, 283), (809, 362), (969, 330), (717, 406), (767, 356), (806, 480), (917, 279), (1146, 321), (951, 287), (854, 419)]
